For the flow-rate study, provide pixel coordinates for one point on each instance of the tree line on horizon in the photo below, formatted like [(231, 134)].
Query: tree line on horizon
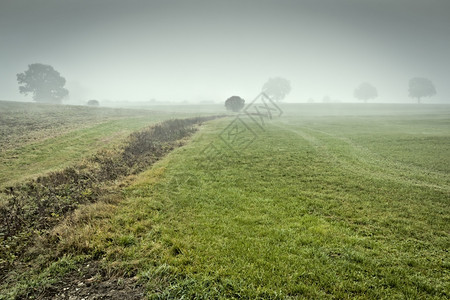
[(418, 88), (45, 84)]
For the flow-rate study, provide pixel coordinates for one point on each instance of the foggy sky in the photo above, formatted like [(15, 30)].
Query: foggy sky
[(170, 50)]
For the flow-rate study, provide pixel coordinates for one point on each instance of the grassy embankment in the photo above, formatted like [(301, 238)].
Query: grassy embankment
[(59, 155), (335, 206), (38, 138)]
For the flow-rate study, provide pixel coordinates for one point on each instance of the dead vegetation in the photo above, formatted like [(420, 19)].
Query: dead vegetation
[(31, 209)]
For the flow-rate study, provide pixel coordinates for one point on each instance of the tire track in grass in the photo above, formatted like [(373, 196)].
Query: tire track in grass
[(376, 158), (229, 234), (358, 159)]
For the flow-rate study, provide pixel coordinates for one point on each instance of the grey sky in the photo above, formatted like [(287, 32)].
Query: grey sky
[(209, 50)]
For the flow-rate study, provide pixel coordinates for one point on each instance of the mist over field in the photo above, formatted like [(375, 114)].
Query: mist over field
[(235, 149), (206, 51)]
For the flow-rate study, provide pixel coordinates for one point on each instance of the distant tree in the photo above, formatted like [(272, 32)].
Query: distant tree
[(365, 91), (277, 88), (93, 102), (421, 87), (235, 103), (44, 82)]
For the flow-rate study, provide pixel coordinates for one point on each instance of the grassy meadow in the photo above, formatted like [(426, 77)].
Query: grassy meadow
[(39, 138), (327, 201)]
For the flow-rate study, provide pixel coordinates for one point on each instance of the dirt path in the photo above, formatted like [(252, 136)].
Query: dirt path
[(90, 281)]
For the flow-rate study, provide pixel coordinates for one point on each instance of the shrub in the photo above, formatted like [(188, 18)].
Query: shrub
[(235, 103), (93, 103)]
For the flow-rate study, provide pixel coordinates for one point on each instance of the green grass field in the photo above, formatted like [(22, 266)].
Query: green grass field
[(342, 201), (39, 138)]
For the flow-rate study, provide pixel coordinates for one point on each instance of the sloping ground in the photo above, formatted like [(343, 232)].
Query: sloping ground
[(34, 207), (38, 138), (308, 209), (303, 208), (23, 123)]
